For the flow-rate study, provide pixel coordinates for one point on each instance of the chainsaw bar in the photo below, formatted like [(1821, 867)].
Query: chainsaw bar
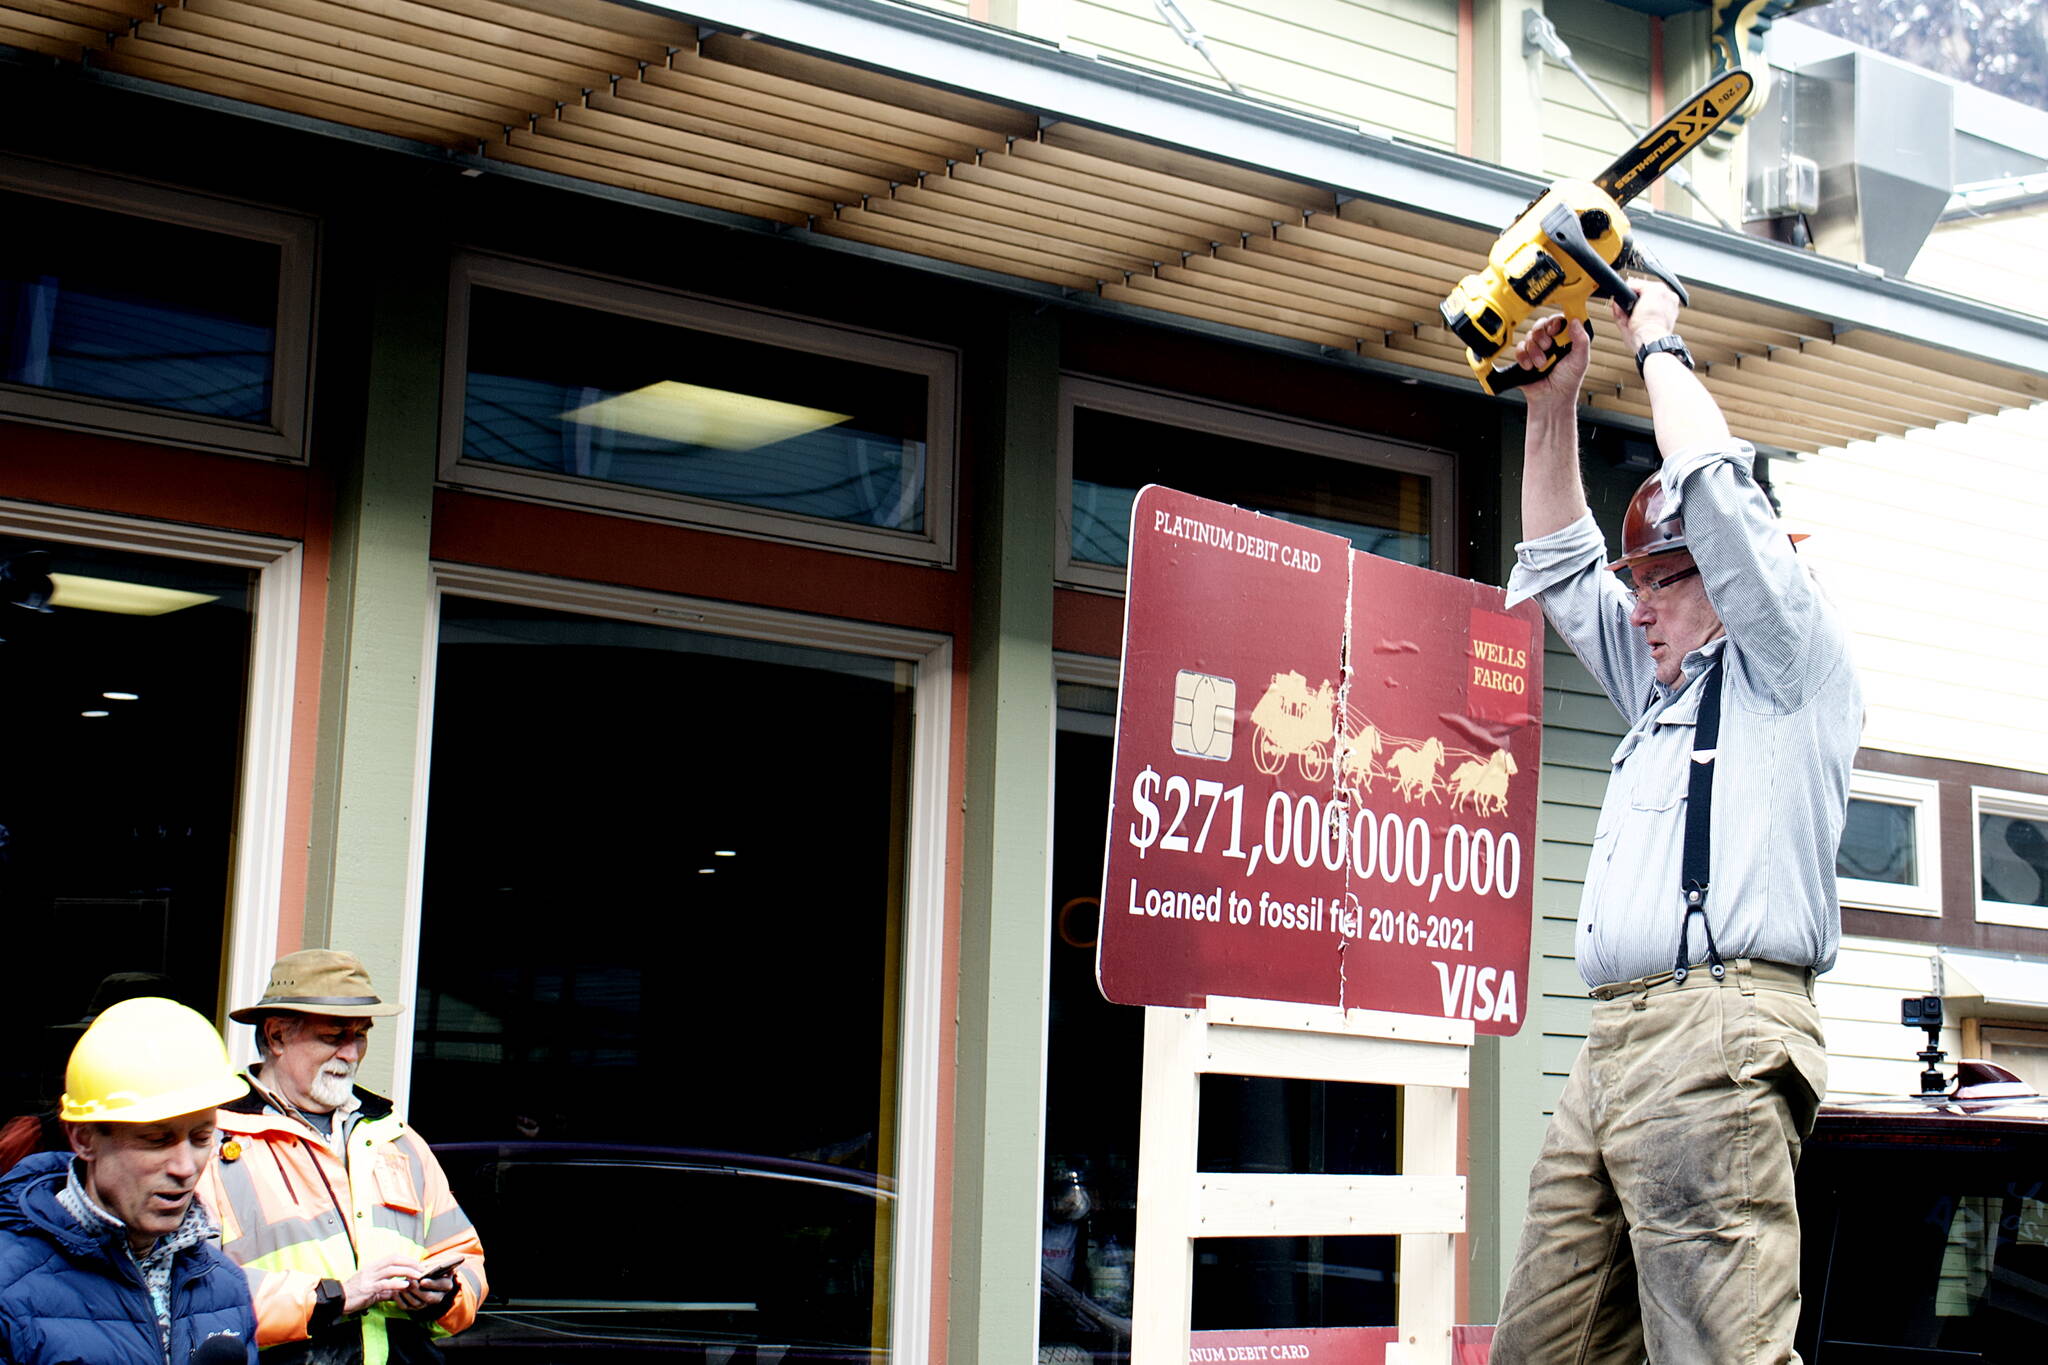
[(1682, 130)]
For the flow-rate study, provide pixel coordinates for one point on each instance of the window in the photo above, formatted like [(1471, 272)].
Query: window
[(1389, 499), (728, 832), (133, 308), (1094, 1066), (1890, 857), (1937, 1250), (604, 394), (2012, 857), (126, 687)]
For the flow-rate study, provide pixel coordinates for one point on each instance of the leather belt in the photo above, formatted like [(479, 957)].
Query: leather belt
[(1745, 973)]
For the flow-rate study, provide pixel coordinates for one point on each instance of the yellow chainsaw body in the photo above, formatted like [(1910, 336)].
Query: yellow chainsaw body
[(1527, 270)]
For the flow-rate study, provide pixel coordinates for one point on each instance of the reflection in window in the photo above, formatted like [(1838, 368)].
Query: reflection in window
[(1094, 1064), (568, 390), (2012, 852), (99, 304), (1380, 510), (123, 704), (1936, 1264), (1878, 843), (701, 839)]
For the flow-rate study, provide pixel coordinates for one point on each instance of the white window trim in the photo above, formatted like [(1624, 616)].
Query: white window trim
[(937, 364), (924, 892), (1995, 801), (1923, 796), (1309, 438), (257, 871), (283, 437)]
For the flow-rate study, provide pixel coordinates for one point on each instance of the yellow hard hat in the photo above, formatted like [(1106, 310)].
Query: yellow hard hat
[(147, 1059)]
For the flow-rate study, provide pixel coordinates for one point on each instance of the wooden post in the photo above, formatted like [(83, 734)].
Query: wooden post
[(1424, 1205)]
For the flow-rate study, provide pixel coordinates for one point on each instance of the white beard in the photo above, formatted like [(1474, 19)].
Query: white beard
[(333, 1084)]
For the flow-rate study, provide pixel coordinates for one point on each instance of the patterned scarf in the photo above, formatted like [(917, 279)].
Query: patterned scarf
[(155, 1264)]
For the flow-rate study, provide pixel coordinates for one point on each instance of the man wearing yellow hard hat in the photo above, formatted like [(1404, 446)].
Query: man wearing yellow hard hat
[(106, 1254)]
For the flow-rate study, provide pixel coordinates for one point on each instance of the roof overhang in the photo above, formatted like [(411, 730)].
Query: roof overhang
[(973, 150)]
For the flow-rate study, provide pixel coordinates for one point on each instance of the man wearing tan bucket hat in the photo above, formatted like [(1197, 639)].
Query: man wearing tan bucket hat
[(355, 1249)]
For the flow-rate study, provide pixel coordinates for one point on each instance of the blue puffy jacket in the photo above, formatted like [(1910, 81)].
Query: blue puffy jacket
[(72, 1298)]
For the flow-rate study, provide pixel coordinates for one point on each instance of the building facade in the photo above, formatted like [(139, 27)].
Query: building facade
[(615, 514)]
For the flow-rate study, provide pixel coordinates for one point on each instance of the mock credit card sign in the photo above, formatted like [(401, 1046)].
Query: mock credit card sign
[(1325, 777)]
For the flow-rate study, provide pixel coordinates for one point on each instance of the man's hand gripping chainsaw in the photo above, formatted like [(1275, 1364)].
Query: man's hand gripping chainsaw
[(1569, 246)]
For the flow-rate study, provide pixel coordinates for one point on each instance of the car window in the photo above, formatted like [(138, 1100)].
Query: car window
[(1929, 1253), (716, 1253)]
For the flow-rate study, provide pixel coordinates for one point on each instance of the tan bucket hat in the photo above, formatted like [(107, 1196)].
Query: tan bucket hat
[(318, 981)]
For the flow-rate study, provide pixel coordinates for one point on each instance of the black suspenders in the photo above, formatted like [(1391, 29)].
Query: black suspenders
[(1694, 873)]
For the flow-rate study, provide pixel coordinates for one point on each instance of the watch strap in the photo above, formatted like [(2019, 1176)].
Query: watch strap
[(328, 1298), (1668, 342)]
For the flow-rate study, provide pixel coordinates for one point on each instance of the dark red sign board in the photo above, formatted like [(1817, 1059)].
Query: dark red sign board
[(1325, 779), (1324, 1346)]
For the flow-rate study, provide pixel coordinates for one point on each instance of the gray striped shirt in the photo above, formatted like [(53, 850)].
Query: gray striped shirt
[(1791, 718)]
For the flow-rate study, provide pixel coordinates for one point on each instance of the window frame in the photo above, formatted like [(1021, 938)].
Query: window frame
[(939, 366), (262, 803), (1239, 423), (923, 980), (1923, 796), (283, 436), (2002, 801)]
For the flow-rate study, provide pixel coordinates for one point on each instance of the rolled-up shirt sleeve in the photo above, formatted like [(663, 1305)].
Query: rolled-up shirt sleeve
[(1789, 637)]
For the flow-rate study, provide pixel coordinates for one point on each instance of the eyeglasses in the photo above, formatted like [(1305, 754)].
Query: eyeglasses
[(1644, 588)]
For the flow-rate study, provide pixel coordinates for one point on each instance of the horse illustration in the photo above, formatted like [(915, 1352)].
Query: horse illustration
[(1484, 784), (1414, 769), (1358, 768)]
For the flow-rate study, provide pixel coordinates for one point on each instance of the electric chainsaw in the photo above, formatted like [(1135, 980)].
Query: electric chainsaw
[(1564, 248)]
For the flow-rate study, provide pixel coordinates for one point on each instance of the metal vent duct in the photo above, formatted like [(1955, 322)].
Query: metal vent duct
[(1883, 135)]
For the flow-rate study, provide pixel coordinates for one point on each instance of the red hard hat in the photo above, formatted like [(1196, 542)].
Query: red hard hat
[(1652, 527)]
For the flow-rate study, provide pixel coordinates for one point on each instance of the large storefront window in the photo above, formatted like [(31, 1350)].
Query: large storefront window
[(618, 396), (702, 1036), (124, 680), (1094, 1069)]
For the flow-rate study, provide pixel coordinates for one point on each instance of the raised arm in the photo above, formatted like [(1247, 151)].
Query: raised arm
[(1789, 637)]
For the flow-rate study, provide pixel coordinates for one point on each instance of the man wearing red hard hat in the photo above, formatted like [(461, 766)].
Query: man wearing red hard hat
[(1662, 1218)]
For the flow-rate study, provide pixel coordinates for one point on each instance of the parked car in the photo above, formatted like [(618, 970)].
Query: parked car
[(1925, 1226), (600, 1253)]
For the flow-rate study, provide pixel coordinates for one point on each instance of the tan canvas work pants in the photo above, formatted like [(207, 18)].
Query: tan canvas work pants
[(1662, 1220)]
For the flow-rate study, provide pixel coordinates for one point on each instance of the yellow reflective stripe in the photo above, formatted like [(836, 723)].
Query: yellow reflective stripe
[(318, 1256)]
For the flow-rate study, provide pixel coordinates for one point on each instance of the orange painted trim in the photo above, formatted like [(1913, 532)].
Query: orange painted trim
[(472, 528), (1087, 623), (947, 1108), (1657, 99), (1467, 47), (316, 569)]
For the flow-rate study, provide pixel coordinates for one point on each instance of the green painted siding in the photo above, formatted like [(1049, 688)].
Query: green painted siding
[(1392, 64), (1612, 45)]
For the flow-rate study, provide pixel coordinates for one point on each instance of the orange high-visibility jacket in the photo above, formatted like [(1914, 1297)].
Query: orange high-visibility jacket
[(292, 1213)]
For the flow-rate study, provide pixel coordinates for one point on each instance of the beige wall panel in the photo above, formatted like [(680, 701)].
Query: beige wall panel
[(1612, 45), (1997, 258), (1393, 67), (1929, 545), (1869, 1052)]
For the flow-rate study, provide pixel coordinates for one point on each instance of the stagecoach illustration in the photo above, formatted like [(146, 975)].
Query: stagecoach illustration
[(1291, 721)]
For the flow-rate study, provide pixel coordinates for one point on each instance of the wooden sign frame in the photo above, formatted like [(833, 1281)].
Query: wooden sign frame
[(1424, 1205)]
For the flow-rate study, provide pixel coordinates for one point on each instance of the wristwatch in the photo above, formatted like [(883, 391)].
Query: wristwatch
[(328, 1299), (1668, 342)]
